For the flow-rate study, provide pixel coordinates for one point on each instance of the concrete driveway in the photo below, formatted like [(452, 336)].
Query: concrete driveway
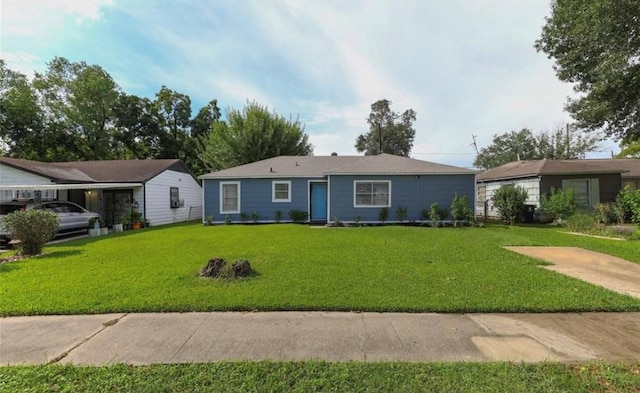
[(607, 271)]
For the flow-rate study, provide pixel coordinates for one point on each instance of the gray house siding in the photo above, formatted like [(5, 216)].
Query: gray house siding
[(256, 195), (610, 184), (416, 193)]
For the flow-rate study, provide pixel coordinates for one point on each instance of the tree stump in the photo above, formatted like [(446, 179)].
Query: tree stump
[(213, 267), (241, 268)]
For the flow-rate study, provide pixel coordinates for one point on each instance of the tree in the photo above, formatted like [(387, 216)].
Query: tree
[(174, 110), (563, 143), (630, 150), (389, 132), (596, 46), (559, 203), (78, 100), (251, 135), (137, 134), (203, 122), (509, 201)]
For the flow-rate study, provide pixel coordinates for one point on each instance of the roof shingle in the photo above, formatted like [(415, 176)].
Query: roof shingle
[(518, 169)]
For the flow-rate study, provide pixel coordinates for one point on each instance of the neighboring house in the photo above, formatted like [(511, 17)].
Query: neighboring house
[(330, 188), (594, 180), (164, 191)]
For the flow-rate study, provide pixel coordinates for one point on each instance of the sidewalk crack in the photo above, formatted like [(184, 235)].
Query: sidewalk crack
[(188, 339), (105, 326), (404, 349)]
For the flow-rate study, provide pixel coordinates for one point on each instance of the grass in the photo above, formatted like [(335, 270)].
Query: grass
[(390, 268), (316, 376)]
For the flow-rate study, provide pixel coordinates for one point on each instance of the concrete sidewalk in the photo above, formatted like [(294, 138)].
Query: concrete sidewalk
[(332, 336)]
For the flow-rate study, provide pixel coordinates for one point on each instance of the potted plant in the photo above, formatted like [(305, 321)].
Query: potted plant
[(103, 227), (94, 226), (136, 219)]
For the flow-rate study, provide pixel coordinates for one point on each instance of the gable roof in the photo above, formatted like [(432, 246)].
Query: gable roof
[(519, 169), (107, 171), (320, 166)]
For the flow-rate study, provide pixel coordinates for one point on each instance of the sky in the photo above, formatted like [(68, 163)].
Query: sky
[(467, 67)]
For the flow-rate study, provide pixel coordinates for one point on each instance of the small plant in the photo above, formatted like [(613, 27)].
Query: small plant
[(434, 214), (604, 212), (509, 201), (460, 209), (384, 214), (337, 222), (582, 222), (32, 227), (618, 211), (278, 216), (559, 203), (136, 216), (357, 220), (401, 213), (255, 216), (244, 217), (227, 220), (298, 216), (209, 219)]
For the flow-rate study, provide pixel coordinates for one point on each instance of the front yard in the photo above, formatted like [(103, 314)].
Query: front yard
[(300, 268)]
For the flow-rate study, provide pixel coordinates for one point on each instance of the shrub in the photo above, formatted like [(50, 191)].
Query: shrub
[(244, 217), (227, 220), (384, 214), (582, 222), (209, 219), (630, 200), (298, 216), (618, 210), (460, 209), (33, 228), (509, 201), (278, 216), (255, 216), (401, 213), (559, 203)]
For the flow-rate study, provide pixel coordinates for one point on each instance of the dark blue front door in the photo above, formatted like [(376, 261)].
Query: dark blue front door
[(318, 201)]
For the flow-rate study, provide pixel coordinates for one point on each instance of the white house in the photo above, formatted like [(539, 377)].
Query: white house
[(164, 191)]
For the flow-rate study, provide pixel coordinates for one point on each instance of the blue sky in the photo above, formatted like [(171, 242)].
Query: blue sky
[(467, 67)]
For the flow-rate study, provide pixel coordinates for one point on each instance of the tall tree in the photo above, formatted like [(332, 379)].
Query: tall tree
[(596, 46), (562, 143), (175, 119), (389, 132), (137, 134), (630, 150), (251, 135), (202, 124), (79, 99)]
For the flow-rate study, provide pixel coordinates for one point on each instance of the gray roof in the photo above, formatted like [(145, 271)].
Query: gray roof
[(320, 166), (519, 169), (109, 171)]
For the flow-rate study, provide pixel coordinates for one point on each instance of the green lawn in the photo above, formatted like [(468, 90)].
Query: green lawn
[(316, 376), (300, 268)]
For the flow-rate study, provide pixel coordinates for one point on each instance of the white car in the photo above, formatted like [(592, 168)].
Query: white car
[(72, 217)]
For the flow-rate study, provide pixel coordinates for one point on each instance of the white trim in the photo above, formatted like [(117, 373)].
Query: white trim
[(222, 184), (355, 205), (273, 191), (203, 202), (328, 197)]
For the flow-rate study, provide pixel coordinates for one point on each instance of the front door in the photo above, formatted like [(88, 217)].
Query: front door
[(318, 202)]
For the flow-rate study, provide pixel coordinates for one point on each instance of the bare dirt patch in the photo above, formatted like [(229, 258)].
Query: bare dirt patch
[(607, 271)]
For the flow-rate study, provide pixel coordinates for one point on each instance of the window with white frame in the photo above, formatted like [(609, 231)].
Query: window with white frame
[(281, 191), (229, 197), (372, 193)]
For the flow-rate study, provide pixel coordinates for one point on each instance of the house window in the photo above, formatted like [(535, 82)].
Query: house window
[(281, 191), (372, 193), (229, 197), (174, 197), (586, 191)]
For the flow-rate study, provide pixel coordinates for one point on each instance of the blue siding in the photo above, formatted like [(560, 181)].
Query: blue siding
[(414, 192), (255, 195)]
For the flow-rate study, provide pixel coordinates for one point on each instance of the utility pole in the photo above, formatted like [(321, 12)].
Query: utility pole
[(474, 144)]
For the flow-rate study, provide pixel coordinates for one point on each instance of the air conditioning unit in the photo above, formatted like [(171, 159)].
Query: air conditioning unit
[(175, 204)]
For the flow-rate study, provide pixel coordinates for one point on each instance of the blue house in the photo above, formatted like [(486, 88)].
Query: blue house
[(330, 188)]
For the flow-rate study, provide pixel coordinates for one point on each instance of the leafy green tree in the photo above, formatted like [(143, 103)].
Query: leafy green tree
[(137, 131), (596, 46), (559, 203), (78, 99), (562, 143), (630, 150), (202, 124), (174, 110), (251, 135), (509, 201), (389, 132)]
